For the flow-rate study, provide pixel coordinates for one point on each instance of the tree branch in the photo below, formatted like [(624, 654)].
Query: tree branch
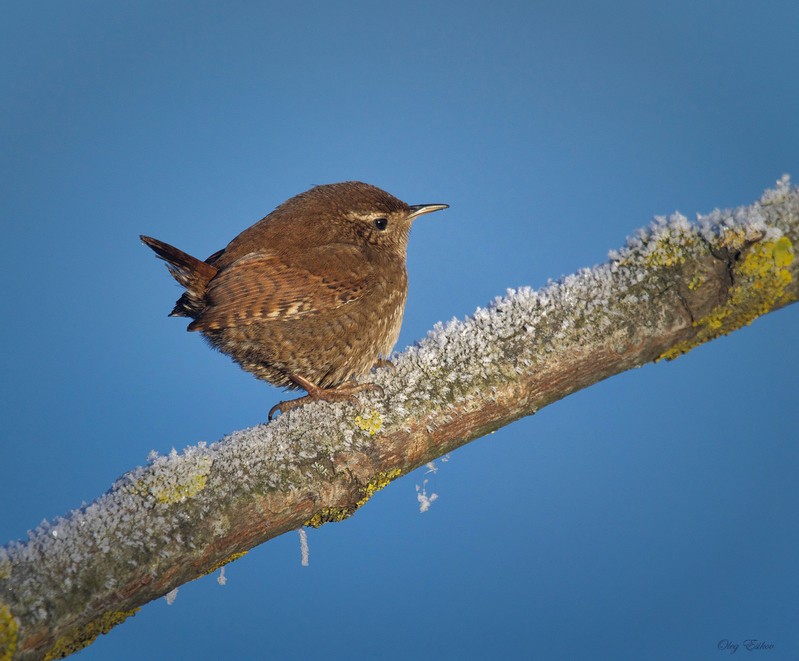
[(674, 286)]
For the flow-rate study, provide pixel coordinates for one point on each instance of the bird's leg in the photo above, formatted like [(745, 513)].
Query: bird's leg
[(342, 393)]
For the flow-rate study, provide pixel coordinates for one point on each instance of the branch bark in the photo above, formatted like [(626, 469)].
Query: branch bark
[(674, 286)]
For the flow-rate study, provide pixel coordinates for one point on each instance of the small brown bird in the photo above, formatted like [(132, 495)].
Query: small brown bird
[(309, 297)]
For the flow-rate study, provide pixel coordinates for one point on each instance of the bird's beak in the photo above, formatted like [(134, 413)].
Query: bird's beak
[(421, 209)]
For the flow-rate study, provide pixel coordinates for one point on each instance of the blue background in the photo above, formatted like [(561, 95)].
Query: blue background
[(650, 516)]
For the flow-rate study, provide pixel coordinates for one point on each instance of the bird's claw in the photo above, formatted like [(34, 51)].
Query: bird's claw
[(342, 393)]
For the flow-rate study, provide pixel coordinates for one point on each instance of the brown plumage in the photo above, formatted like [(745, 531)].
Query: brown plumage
[(312, 295)]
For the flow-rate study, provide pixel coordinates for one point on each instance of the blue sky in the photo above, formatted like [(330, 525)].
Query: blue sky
[(650, 516)]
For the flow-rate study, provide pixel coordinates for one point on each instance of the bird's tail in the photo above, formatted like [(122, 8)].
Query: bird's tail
[(189, 271)]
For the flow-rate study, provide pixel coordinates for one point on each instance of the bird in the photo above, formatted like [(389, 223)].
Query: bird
[(311, 296)]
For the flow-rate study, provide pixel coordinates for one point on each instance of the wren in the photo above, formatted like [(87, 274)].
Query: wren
[(309, 297)]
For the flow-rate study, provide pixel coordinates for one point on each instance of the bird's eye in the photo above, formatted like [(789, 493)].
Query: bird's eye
[(381, 223)]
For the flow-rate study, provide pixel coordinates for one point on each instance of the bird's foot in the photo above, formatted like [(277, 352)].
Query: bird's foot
[(343, 393)]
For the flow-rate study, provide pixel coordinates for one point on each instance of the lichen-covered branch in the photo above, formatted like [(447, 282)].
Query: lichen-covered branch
[(675, 285)]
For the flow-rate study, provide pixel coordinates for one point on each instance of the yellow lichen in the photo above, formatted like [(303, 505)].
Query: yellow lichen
[(668, 251), (761, 280), (733, 238), (371, 423), (176, 487), (695, 282), (226, 561), (382, 480), (80, 637), (333, 514), (9, 627), (783, 252), (327, 515)]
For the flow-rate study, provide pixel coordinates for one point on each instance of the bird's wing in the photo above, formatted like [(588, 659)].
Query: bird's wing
[(265, 285)]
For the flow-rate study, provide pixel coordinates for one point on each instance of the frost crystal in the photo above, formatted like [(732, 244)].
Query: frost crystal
[(304, 546), (425, 501)]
